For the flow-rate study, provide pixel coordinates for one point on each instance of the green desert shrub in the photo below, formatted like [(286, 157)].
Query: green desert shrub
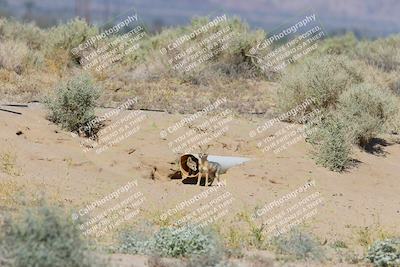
[(366, 111), (236, 60), (73, 106), (385, 253), (395, 86), (65, 37), (240, 59), (44, 237), (170, 242), (13, 55), (28, 33), (322, 79), (340, 45), (134, 242), (331, 144), (298, 245), (244, 39), (18, 57), (382, 53), (231, 61)]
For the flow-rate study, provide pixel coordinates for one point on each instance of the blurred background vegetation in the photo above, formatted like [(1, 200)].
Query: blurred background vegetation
[(366, 18)]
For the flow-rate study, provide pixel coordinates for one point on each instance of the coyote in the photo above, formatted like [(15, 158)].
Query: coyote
[(191, 164), (208, 169)]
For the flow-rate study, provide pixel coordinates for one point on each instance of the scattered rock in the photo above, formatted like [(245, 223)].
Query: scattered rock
[(130, 151)]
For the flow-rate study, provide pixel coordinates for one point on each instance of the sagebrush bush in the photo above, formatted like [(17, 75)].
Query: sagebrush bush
[(395, 86), (8, 163), (242, 42), (65, 37), (385, 253), (73, 106), (382, 53), (134, 242), (18, 57), (339, 45), (366, 110), (28, 33), (298, 244), (44, 237), (14, 56), (170, 242), (321, 78), (232, 62), (331, 144), (236, 60)]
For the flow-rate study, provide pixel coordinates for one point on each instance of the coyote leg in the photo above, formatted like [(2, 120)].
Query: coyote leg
[(198, 179)]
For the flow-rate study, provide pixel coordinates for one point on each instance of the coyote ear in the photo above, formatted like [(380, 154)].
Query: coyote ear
[(204, 149), (201, 149)]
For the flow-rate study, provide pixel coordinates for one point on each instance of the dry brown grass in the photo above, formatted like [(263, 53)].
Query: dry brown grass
[(36, 60), (8, 164), (9, 191), (365, 236), (243, 96), (14, 55), (25, 88)]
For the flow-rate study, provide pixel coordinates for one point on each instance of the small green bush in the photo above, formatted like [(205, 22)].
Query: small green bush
[(395, 86), (18, 57), (68, 36), (385, 253), (232, 62), (366, 111), (73, 105), (242, 42), (13, 56), (30, 34), (382, 53), (236, 61), (44, 237), (331, 145), (170, 242), (340, 45), (133, 242), (322, 79), (299, 245)]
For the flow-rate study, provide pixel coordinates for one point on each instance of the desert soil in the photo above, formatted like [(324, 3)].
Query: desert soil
[(51, 160)]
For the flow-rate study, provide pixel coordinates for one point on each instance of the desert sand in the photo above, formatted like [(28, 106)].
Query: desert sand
[(52, 161)]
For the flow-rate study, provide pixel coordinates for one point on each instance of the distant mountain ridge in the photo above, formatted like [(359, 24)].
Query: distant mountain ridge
[(367, 17)]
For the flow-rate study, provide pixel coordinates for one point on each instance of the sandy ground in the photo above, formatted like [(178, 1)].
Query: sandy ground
[(51, 160)]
